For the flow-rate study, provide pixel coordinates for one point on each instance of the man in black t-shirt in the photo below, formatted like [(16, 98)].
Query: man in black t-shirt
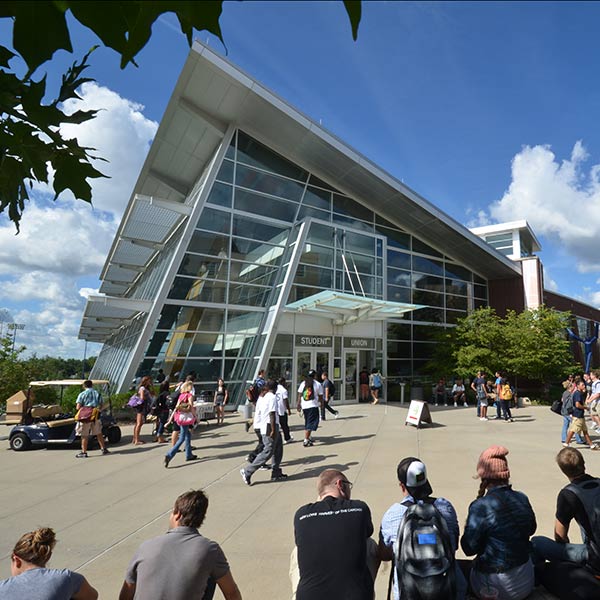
[(332, 537), (573, 569), (328, 394)]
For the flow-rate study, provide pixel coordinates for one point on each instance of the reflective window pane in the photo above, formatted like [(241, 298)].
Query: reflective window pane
[(317, 255), (321, 234), (317, 198), (457, 272), (205, 242), (256, 252), (423, 248), (398, 277), (400, 260), (284, 345), (428, 282), (221, 194), (226, 171), (398, 350), (395, 239), (398, 294), (433, 315), (314, 276), (427, 265), (455, 286), (250, 295), (457, 302), (315, 213), (252, 152), (346, 206), (218, 221), (427, 298), (186, 288), (268, 184), (204, 267), (398, 331), (255, 203), (255, 229)]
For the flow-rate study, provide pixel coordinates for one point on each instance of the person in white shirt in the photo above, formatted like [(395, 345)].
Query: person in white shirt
[(267, 419), (310, 398), (283, 408), (458, 393)]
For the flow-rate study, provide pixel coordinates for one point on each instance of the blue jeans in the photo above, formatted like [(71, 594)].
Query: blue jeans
[(546, 549), (565, 429), (185, 435)]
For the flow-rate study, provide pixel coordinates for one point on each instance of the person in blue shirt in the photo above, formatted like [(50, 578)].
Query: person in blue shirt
[(90, 398), (31, 579), (415, 487), (578, 416)]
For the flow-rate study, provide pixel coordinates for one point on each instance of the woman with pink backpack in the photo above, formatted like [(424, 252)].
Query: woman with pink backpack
[(184, 415)]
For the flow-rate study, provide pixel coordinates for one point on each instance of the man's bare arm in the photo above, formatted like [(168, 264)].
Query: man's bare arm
[(228, 587), (561, 532)]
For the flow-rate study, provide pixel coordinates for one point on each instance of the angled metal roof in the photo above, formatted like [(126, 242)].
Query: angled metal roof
[(105, 314), (349, 308)]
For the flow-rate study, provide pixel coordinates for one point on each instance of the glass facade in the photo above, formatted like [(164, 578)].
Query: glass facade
[(213, 321)]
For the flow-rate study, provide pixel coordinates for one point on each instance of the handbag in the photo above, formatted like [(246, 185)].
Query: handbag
[(135, 401), (86, 414), (557, 407), (184, 418)]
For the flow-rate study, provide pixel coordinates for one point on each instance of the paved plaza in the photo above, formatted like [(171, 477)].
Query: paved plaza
[(102, 508)]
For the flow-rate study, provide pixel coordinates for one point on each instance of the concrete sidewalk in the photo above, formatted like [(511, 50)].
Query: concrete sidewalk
[(102, 508)]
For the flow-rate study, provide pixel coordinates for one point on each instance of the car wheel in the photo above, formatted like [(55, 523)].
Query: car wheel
[(114, 435), (19, 442)]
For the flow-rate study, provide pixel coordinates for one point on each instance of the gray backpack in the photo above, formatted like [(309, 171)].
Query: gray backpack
[(424, 557)]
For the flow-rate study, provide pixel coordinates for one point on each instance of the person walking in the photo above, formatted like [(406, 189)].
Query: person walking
[(375, 383), (268, 421), (146, 393), (90, 401), (185, 416), (160, 410), (328, 395), (283, 407), (220, 400), (310, 398), (578, 417)]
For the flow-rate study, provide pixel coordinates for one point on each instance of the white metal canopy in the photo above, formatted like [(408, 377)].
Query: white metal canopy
[(348, 308)]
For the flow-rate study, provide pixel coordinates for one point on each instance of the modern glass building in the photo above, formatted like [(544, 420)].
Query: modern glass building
[(254, 238)]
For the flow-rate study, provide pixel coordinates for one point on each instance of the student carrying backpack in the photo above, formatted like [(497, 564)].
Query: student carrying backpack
[(420, 535), (424, 557)]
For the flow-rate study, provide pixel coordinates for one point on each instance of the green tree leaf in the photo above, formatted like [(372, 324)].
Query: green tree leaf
[(40, 29), (354, 10)]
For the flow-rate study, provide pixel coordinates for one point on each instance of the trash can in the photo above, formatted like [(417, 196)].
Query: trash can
[(247, 410)]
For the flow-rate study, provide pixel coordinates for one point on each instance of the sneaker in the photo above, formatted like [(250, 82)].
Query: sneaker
[(511, 420), (496, 418), (483, 418), (247, 425), (192, 457), (167, 461), (105, 451), (337, 412), (566, 445), (455, 405), (308, 443), (594, 447), (81, 455), (465, 405), (279, 477), (245, 477)]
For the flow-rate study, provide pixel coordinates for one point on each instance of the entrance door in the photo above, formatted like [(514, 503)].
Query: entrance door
[(350, 376), (318, 359)]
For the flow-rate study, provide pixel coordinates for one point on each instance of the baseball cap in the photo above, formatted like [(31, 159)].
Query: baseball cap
[(312, 373), (413, 474)]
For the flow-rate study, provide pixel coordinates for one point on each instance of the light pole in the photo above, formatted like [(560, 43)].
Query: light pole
[(14, 327)]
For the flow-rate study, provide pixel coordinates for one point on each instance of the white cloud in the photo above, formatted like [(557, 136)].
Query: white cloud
[(60, 243), (559, 200)]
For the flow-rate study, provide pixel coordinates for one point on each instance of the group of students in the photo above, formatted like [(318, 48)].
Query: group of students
[(335, 556), (499, 391)]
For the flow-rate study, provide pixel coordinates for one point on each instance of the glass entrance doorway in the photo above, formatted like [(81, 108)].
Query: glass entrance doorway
[(350, 376), (318, 359)]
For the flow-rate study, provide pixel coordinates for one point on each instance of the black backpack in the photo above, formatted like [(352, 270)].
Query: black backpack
[(588, 493), (424, 557)]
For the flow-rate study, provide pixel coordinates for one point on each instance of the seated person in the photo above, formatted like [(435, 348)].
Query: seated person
[(573, 568), (439, 393), (458, 393), (30, 577), (336, 557), (499, 524), (415, 488)]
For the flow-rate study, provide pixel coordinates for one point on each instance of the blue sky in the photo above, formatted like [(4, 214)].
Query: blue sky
[(488, 110)]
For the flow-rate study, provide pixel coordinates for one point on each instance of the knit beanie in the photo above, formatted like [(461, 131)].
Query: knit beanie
[(492, 463)]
